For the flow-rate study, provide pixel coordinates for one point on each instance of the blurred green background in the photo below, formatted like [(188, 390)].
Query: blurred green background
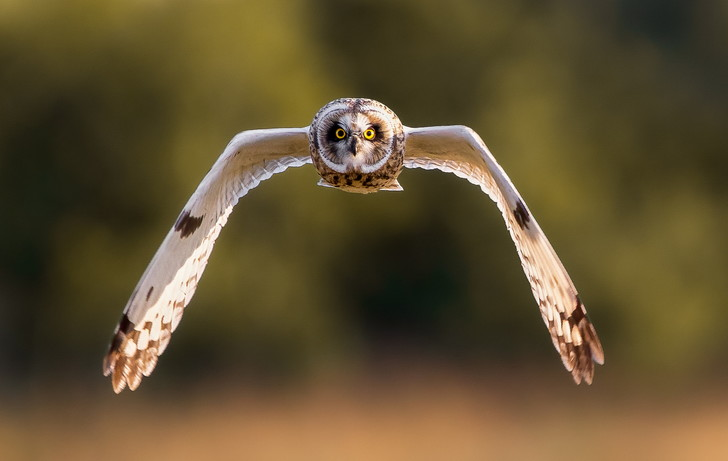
[(609, 116)]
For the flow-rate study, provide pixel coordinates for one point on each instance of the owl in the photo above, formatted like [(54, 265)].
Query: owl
[(356, 145)]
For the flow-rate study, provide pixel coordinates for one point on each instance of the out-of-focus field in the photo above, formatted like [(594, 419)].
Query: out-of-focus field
[(421, 416), (609, 117)]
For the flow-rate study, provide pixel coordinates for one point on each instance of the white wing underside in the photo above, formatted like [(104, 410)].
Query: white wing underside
[(459, 150), (157, 303), (169, 282)]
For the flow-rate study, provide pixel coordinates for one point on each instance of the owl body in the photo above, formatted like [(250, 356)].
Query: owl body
[(357, 145)]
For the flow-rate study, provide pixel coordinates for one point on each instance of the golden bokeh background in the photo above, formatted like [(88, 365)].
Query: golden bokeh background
[(391, 326)]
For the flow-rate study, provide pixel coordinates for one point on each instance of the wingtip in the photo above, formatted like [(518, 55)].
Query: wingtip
[(118, 386), (583, 373), (122, 369), (595, 346), (588, 378), (125, 372), (598, 357)]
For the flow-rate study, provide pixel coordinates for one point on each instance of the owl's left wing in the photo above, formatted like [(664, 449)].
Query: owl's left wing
[(459, 150), (166, 287)]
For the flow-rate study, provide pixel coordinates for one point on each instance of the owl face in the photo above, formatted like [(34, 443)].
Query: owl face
[(357, 145)]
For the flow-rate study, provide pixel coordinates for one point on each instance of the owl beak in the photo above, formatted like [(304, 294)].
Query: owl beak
[(354, 143)]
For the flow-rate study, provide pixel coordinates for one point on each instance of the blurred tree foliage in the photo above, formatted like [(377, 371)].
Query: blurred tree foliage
[(609, 116)]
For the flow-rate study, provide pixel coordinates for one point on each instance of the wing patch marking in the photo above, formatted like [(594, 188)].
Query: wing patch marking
[(125, 325), (579, 314), (523, 217), (187, 224)]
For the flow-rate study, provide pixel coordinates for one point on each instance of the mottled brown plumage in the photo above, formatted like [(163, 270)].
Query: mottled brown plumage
[(353, 163)]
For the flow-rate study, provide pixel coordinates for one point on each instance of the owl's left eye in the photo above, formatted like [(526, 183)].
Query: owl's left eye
[(340, 133), (369, 134)]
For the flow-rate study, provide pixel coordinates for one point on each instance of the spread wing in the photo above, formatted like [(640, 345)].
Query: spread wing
[(158, 301), (459, 150)]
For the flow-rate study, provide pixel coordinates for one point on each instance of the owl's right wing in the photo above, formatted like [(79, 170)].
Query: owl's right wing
[(459, 150), (158, 301)]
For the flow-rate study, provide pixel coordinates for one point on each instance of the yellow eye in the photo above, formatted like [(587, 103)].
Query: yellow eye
[(340, 133), (369, 134)]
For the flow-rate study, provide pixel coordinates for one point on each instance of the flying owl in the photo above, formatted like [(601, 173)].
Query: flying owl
[(356, 145)]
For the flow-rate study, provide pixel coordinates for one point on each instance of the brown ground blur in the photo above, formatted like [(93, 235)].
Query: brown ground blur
[(420, 415)]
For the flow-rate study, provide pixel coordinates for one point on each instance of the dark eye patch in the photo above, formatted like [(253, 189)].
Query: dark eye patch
[(331, 134), (377, 131)]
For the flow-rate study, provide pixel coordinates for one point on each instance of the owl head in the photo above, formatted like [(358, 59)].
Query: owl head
[(357, 145)]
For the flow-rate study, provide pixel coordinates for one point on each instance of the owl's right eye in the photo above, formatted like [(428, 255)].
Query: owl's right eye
[(340, 133)]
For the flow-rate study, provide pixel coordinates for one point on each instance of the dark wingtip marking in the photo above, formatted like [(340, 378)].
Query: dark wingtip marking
[(579, 313), (523, 217), (149, 293), (186, 223), (114, 346), (125, 325)]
